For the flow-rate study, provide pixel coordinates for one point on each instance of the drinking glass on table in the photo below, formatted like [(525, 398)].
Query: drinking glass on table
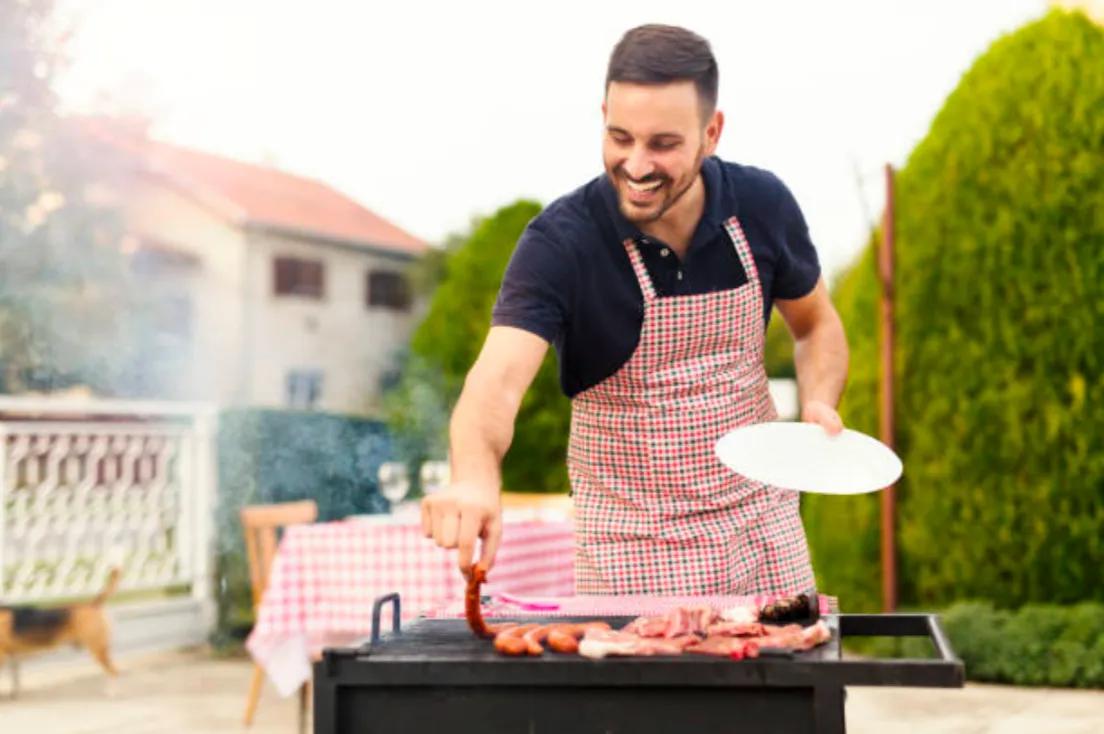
[(394, 484), (435, 476)]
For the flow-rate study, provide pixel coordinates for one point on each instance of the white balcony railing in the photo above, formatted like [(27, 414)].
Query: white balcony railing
[(86, 485)]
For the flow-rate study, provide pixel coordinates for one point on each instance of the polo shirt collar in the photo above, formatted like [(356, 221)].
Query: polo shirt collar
[(713, 216)]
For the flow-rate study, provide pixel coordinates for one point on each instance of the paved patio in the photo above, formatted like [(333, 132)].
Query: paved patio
[(192, 693)]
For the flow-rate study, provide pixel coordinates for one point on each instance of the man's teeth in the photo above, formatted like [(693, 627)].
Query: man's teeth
[(644, 188)]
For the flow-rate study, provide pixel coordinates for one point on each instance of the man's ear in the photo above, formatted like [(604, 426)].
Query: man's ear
[(713, 130)]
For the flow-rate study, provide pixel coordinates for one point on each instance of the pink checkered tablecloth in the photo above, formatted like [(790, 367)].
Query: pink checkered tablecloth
[(326, 577)]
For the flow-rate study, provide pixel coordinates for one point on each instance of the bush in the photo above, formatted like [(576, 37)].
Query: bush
[(999, 290), (1038, 645), (778, 349), (270, 456)]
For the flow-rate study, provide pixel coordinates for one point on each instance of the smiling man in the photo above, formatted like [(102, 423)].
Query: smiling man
[(655, 283)]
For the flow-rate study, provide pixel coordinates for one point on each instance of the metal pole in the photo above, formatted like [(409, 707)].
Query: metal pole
[(889, 498), (4, 494)]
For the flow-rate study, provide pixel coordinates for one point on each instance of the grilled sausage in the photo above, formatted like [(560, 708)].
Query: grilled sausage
[(534, 637), (562, 640), (473, 605), (511, 641), (565, 638)]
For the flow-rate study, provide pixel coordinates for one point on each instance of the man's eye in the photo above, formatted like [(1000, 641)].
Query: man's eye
[(665, 145)]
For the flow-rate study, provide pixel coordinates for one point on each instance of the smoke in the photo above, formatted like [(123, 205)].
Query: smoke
[(418, 410)]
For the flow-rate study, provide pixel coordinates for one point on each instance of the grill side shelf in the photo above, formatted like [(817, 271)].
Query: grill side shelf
[(947, 670), (899, 625)]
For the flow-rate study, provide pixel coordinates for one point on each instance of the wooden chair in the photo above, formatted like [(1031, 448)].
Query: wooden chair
[(262, 525)]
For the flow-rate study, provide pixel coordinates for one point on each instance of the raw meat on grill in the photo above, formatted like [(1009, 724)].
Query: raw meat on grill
[(598, 644), (739, 632), (815, 634), (704, 621), (736, 629), (675, 623), (729, 647), (734, 640), (743, 613), (795, 637)]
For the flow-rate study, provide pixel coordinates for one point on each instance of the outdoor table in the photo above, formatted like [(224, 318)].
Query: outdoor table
[(326, 577)]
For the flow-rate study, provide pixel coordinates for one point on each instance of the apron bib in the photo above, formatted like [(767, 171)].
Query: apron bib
[(656, 511)]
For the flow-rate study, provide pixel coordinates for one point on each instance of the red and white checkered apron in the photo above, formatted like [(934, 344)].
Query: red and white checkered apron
[(656, 511)]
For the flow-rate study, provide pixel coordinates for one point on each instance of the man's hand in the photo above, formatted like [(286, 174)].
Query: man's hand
[(815, 411), (458, 515)]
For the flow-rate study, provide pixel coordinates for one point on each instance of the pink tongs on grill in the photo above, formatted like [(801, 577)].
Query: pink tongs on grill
[(527, 604)]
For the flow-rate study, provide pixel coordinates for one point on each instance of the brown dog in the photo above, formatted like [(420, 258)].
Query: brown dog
[(27, 630)]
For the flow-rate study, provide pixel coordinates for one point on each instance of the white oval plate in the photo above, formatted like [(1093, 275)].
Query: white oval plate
[(804, 457)]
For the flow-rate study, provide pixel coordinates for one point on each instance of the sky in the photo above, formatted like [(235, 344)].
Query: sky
[(431, 113)]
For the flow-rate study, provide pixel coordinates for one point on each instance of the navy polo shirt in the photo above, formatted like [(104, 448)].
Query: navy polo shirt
[(570, 280)]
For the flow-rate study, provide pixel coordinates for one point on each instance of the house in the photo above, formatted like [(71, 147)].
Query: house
[(274, 290)]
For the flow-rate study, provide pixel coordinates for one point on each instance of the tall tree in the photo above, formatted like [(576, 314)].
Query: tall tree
[(445, 346), (998, 296), (64, 286)]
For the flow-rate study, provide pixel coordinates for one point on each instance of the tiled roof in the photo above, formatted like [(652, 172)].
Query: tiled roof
[(262, 196)]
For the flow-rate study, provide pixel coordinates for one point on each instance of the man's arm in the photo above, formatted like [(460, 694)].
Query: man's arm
[(482, 425), (480, 433), (821, 354), (530, 312)]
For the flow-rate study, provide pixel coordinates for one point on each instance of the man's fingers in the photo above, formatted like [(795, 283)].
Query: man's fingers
[(823, 415), (471, 523), (447, 532), (427, 520), (491, 538)]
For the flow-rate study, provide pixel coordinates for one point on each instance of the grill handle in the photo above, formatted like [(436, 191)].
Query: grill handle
[(377, 608)]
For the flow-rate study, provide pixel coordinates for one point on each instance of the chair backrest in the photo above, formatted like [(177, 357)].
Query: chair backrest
[(261, 525)]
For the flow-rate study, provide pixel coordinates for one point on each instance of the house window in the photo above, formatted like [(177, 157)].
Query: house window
[(304, 389), (388, 289), (293, 276)]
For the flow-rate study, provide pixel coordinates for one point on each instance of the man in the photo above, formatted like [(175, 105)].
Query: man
[(655, 282)]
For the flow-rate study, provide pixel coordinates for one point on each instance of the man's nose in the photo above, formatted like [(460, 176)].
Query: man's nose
[(638, 165)]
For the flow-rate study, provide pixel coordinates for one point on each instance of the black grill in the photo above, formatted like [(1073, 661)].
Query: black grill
[(434, 675)]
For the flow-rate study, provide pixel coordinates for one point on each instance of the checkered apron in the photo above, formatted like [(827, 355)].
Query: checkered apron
[(656, 511)]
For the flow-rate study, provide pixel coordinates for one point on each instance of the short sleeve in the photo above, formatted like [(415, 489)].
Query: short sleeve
[(798, 265), (537, 288)]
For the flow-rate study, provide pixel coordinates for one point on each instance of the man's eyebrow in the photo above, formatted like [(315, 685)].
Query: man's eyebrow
[(623, 131)]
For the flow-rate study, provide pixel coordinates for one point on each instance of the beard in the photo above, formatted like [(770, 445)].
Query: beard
[(652, 207)]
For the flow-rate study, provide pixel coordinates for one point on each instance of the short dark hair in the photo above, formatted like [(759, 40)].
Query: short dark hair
[(661, 54)]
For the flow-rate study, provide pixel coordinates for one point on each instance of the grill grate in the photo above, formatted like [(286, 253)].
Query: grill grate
[(443, 655), (451, 639)]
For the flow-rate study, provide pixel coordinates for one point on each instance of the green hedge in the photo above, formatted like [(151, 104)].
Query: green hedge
[(999, 365), (779, 349), (1038, 645), (271, 456)]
